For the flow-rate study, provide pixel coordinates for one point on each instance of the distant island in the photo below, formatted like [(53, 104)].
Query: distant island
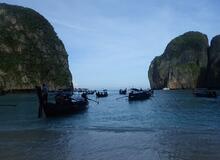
[(188, 62), (30, 51)]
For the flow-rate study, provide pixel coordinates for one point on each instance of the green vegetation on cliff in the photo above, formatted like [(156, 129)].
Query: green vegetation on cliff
[(214, 63), (183, 63), (30, 51)]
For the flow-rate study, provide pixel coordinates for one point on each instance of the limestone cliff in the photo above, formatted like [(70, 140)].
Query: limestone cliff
[(183, 63), (30, 51), (214, 63)]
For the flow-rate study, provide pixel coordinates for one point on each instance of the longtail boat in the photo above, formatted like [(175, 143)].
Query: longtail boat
[(135, 95), (121, 91), (203, 92), (64, 105), (103, 93)]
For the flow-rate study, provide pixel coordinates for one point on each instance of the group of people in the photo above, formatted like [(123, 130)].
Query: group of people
[(60, 98), (104, 93)]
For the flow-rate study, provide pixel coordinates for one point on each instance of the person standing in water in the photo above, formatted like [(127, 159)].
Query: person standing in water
[(40, 99), (84, 95), (44, 93)]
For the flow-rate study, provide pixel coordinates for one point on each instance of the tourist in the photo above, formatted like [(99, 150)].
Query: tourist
[(44, 93)]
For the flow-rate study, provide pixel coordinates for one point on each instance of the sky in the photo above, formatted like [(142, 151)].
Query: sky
[(111, 43)]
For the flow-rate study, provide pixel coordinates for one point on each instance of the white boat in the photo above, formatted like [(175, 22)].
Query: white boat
[(166, 89)]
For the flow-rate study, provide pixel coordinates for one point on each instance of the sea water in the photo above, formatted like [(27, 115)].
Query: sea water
[(172, 125)]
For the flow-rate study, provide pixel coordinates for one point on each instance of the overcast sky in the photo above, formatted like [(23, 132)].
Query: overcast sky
[(112, 42)]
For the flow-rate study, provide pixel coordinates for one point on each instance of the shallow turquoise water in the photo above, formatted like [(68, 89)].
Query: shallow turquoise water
[(172, 125)]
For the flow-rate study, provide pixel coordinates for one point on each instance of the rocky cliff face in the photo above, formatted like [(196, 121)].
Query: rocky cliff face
[(30, 51), (214, 63), (183, 63)]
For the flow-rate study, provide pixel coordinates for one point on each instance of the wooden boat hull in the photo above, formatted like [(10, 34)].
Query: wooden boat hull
[(53, 109), (139, 96), (205, 93), (2, 93)]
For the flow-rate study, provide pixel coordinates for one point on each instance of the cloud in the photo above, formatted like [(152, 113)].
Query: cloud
[(71, 26)]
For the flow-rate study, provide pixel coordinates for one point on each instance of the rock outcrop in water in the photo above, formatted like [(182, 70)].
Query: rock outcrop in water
[(214, 63), (183, 63), (30, 51)]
